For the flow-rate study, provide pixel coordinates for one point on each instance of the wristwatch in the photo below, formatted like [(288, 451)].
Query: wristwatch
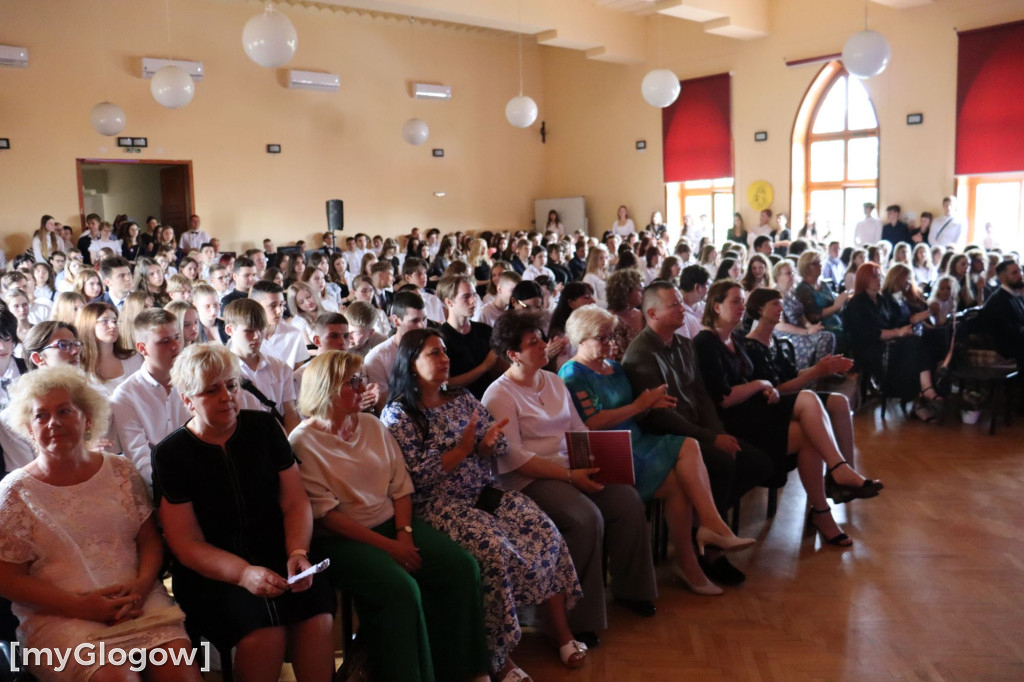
[(407, 529)]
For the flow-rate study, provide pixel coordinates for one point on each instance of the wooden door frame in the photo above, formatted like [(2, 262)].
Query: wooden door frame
[(128, 162)]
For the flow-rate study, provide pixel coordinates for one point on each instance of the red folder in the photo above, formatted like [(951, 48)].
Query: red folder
[(609, 451)]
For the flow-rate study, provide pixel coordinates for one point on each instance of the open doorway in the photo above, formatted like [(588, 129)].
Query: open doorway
[(138, 189)]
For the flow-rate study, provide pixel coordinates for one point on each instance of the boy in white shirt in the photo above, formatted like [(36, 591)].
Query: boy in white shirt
[(406, 314), (414, 271), (145, 407), (489, 312), (280, 339), (271, 380), (538, 263)]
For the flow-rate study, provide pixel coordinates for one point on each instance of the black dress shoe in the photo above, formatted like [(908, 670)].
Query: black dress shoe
[(641, 607), (589, 638), (722, 572)]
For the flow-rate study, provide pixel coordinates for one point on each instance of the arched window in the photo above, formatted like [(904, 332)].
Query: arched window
[(835, 154)]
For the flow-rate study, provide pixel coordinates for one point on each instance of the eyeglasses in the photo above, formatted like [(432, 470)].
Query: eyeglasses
[(64, 346), (358, 382)]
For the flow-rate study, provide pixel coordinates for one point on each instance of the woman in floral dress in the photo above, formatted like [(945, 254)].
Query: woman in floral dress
[(448, 439)]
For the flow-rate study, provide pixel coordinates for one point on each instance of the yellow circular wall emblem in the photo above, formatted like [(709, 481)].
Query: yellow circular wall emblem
[(760, 195)]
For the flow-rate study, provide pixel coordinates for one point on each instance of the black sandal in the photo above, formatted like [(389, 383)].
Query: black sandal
[(840, 539), (842, 494)]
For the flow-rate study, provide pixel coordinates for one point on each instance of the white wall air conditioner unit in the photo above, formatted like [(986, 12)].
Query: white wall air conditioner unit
[(428, 91), (314, 80), (13, 56), (151, 65)]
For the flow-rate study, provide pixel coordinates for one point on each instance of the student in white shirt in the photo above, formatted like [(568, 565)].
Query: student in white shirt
[(489, 312), (105, 240), (280, 339), (193, 238), (47, 239), (869, 230), (538, 263), (245, 321), (406, 314), (11, 368), (48, 344), (947, 230), (145, 408), (624, 225), (693, 282), (762, 229), (414, 271), (330, 332)]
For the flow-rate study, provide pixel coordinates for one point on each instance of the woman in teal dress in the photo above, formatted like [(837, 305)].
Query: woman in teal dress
[(669, 468)]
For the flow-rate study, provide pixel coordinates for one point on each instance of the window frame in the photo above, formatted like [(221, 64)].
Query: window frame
[(803, 138)]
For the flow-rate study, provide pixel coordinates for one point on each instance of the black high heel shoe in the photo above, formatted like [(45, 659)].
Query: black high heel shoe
[(840, 539), (844, 493)]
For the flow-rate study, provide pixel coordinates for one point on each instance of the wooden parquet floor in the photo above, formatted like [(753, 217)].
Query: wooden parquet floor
[(933, 588)]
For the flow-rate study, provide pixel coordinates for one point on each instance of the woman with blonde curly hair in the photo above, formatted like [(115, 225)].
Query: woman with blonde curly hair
[(87, 553)]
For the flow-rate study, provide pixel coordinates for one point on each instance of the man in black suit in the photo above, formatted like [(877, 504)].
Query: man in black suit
[(244, 277), (116, 274), (383, 295), (556, 263), (522, 256), (1003, 314), (895, 230)]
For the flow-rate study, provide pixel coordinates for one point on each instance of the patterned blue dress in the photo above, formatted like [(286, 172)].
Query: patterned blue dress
[(653, 455), (523, 558)]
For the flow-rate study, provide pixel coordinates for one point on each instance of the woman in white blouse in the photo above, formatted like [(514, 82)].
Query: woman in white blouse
[(589, 515), (624, 224), (597, 273), (417, 592)]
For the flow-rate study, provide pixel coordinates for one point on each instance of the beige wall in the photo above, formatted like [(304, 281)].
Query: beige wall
[(345, 145), (595, 112), (348, 145)]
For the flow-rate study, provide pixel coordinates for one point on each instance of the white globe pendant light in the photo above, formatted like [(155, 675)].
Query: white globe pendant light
[(172, 87), (660, 88), (521, 111), (415, 131), (107, 118), (270, 38), (866, 54)]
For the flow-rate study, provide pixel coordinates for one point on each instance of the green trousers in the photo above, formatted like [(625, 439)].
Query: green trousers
[(418, 627)]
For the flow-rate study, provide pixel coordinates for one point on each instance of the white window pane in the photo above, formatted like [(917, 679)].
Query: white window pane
[(831, 116), (724, 208), (723, 182), (827, 207), (696, 206), (862, 159), (697, 184), (828, 161), (862, 114), (998, 204)]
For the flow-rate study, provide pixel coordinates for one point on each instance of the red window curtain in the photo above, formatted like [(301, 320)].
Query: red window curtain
[(990, 100), (697, 130)]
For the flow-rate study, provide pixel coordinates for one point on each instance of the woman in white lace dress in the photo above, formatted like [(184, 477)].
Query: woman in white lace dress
[(80, 551)]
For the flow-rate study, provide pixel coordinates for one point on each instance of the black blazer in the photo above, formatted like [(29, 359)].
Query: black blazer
[(1003, 318)]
